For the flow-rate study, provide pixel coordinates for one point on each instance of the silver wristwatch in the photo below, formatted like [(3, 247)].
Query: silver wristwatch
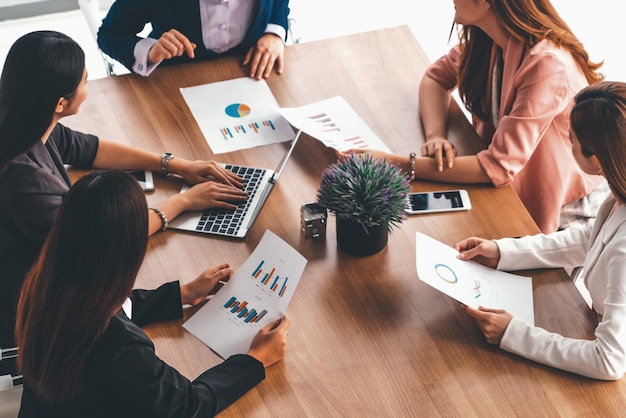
[(165, 159)]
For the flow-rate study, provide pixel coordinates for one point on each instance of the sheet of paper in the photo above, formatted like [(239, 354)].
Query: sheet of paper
[(257, 294), (334, 123), (237, 114), (472, 283)]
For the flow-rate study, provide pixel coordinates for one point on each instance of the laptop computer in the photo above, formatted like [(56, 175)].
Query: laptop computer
[(258, 182)]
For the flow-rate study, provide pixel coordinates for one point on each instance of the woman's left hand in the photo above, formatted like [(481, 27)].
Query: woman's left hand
[(206, 284), (492, 322)]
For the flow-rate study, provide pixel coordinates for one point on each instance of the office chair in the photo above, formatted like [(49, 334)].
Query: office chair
[(293, 36), (91, 11), (10, 387)]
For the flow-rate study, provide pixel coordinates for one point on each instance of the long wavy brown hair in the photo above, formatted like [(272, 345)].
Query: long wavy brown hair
[(85, 271), (598, 119), (529, 21)]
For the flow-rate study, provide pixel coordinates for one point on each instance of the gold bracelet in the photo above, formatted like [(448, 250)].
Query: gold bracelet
[(411, 166), (164, 221)]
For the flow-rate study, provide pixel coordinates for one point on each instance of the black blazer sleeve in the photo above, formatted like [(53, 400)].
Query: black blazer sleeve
[(162, 304), (144, 385)]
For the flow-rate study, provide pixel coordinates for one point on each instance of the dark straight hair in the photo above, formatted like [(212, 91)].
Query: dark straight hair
[(85, 271), (40, 68), (598, 119)]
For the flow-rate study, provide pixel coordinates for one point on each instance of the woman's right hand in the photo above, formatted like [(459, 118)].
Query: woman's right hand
[(485, 252), (438, 148), (212, 194), (269, 345)]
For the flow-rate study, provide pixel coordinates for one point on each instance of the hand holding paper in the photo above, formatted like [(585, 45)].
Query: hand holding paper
[(471, 283), (256, 295)]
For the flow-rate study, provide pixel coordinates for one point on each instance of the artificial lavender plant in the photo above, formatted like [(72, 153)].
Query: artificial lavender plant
[(367, 190)]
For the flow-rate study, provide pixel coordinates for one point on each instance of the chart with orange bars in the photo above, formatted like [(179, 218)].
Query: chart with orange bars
[(334, 123), (257, 294), (237, 114)]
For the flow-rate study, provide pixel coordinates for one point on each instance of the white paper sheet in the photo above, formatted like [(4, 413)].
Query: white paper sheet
[(334, 123), (237, 114), (472, 283), (257, 294)]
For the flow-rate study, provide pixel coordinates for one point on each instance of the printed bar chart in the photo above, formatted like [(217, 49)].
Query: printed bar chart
[(240, 310), (325, 121), (247, 131), (327, 126), (278, 284)]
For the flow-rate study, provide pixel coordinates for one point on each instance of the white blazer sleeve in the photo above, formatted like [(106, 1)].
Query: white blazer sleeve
[(603, 358), (567, 248)]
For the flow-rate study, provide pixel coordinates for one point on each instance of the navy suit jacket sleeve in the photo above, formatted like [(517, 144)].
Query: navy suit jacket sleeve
[(117, 35)]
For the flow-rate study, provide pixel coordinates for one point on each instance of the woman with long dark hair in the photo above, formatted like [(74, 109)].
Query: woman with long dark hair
[(80, 354), (517, 67), (43, 80), (598, 123)]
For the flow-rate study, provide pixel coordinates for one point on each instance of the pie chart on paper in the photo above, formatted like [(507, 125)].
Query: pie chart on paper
[(237, 110)]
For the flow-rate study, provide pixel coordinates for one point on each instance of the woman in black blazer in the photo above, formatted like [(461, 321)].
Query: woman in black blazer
[(80, 354)]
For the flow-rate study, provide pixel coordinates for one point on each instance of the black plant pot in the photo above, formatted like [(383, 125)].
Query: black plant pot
[(353, 239)]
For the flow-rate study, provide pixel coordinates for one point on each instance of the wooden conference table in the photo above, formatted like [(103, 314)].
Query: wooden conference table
[(367, 338)]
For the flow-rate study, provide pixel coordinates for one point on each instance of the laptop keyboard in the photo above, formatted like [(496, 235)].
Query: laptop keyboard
[(227, 222)]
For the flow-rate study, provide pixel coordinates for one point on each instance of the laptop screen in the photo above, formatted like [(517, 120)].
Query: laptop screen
[(285, 158)]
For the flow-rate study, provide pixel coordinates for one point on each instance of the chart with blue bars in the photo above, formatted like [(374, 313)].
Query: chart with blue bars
[(271, 281), (241, 310), (244, 130)]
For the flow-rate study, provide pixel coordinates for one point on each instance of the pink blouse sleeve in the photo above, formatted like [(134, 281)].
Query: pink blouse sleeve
[(445, 70)]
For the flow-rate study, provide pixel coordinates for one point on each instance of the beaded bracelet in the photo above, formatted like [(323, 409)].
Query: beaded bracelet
[(164, 221), (411, 166)]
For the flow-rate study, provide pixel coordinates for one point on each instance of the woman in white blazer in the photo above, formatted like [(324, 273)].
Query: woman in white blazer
[(598, 134)]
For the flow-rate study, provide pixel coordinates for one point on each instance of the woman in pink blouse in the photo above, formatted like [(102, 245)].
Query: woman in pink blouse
[(517, 68)]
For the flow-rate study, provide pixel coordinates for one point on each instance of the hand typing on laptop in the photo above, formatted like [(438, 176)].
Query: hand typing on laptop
[(213, 187), (257, 184), (200, 171)]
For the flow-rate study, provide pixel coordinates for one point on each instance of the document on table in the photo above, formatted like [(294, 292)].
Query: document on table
[(237, 114), (334, 123), (472, 283), (256, 295)]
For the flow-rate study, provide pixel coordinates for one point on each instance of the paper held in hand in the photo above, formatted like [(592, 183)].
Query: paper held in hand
[(257, 294), (334, 123), (472, 283)]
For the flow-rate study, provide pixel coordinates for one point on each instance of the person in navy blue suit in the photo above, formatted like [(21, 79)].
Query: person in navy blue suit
[(184, 30)]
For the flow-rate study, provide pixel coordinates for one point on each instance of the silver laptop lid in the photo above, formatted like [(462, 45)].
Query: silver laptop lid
[(285, 158)]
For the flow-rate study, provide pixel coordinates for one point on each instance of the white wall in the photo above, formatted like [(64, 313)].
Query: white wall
[(597, 24)]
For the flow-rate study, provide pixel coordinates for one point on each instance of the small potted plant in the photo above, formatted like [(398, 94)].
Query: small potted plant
[(368, 197)]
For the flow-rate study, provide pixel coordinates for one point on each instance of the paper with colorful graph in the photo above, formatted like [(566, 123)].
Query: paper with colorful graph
[(237, 114), (334, 123), (257, 294), (471, 283)]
